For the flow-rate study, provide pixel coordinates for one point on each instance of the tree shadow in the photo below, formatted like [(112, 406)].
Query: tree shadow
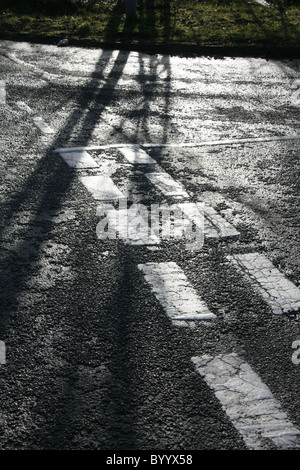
[(74, 305)]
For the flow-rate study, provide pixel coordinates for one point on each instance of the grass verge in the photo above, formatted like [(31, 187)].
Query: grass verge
[(197, 22)]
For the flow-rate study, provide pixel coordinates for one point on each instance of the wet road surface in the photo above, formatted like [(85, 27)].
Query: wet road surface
[(120, 346)]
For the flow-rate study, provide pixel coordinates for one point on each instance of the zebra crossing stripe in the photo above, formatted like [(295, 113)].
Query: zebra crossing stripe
[(37, 120), (42, 125), (135, 233), (172, 289), (79, 159), (2, 92), (136, 155), (166, 184), (101, 187), (248, 402), (279, 293), (24, 107), (215, 226)]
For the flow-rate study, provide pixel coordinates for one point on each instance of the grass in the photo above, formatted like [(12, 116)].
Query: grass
[(203, 22)]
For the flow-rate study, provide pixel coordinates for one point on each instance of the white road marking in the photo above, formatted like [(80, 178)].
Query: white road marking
[(179, 221), (37, 120), (204, 143), (95, 147), (2, 353), (248, 402), (101, 187), (42, 125), (215, 226), (24, 107), (189, 144), (172, 289), (279, 293), (2, 93), (166, 184), (79, 159), (137, 225), (133, 228), (32, 67), (136, 155)]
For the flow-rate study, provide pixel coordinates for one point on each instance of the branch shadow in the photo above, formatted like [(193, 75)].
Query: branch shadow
[(79, 379)]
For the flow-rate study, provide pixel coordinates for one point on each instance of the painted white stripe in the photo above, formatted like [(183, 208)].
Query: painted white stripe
[(215, 226), (166, 184), (31, 67), (24, 107), (94, 147), (101, 187), (42, 126), (136, 155), (188, 144), (79, 159), (138, 225), (225, 142), (133, 228), (2, 92), (248, 402), (172, 289), (279, 293), (2, 353), (179, 221)]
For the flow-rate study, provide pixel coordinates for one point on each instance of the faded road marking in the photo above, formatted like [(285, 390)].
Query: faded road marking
[(133, 228), (42, 125), (209, 143), (24, 107), (31, 67), (136, 155), (215, 226), (101, 187), (280, 293), (248, 402), (191, 144), (166, 184), (79, 159), (174, 292)]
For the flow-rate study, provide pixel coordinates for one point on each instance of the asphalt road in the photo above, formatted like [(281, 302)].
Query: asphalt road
[(90, 357)]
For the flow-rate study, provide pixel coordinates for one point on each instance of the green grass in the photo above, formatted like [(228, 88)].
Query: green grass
[(204, 22)]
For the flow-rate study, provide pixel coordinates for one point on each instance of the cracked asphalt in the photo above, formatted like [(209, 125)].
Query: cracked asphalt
[(92, 360)]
